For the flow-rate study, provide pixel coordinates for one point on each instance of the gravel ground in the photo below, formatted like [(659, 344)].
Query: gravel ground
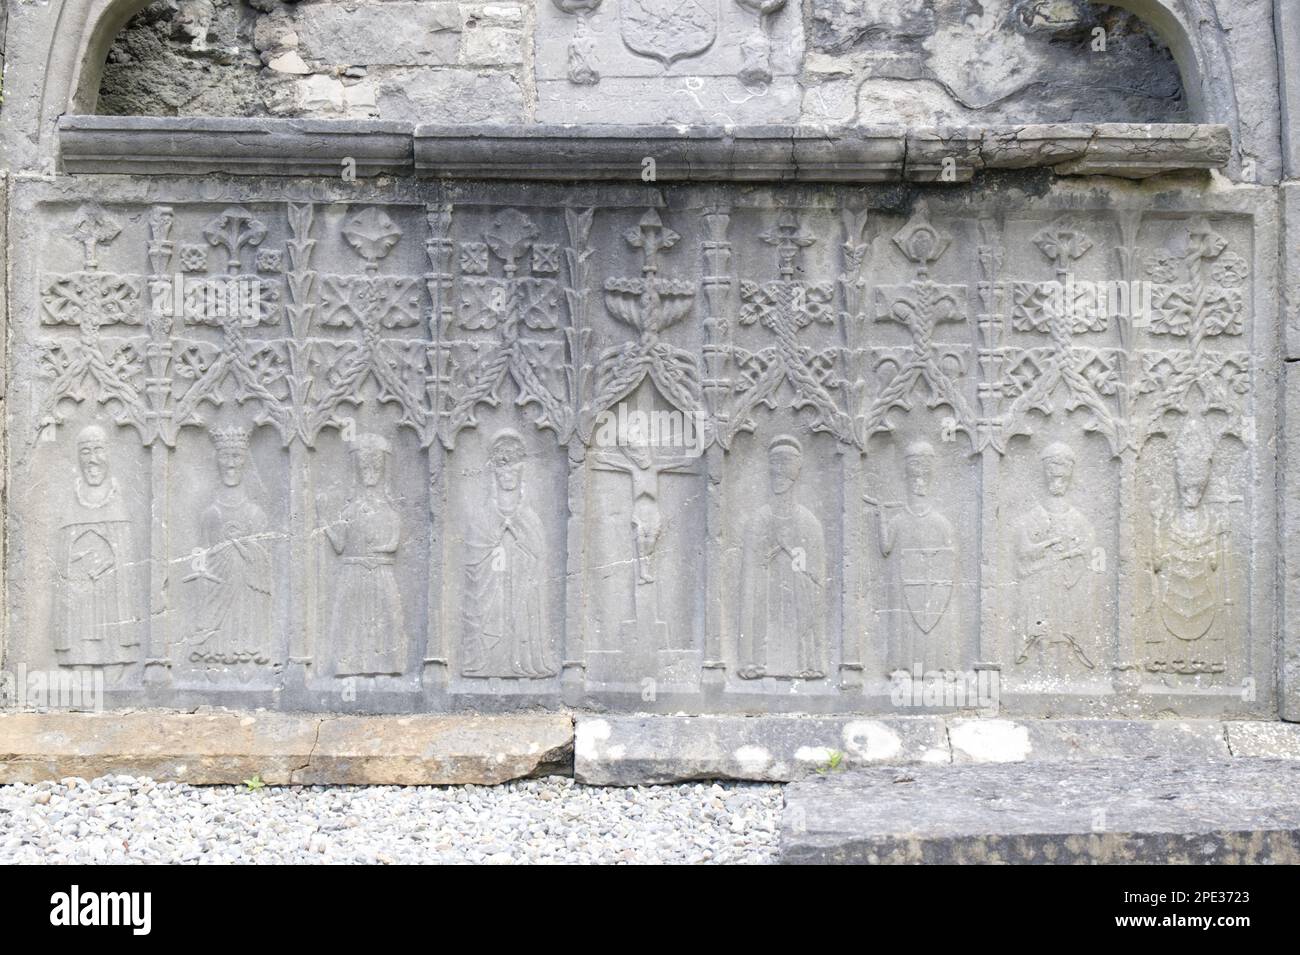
[(119, 819)]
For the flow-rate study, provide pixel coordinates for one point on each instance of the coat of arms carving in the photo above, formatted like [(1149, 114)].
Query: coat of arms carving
[(668, 30)]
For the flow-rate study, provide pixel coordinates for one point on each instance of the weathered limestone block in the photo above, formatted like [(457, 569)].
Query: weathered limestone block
[(634, 153), (198, 748), (1008, 741), (1100, 812), (393, 32), (214, 748), (704, 61), (494, 34), (999, 61), (1287, 29), (425, 446), (438, 751), (650, 38), (450, 96), (647, 750), (670, 100), (1288, 649), (257, 147), (1127, 150), (1269, 740)]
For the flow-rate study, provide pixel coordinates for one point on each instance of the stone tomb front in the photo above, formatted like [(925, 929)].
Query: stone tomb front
[(427, 446)]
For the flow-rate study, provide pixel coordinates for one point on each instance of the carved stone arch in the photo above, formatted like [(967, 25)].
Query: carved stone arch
[(1201, 55), (54, 61), (96, 41)]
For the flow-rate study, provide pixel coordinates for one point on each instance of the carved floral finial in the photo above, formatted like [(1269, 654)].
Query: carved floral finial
[(920, 241), (1063, 241), (233, 228), (651, 236), (509, 236), (92, 227), (372, 233)]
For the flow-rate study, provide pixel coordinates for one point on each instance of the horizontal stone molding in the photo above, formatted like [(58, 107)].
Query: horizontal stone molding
[(143, 145), (165, 145)]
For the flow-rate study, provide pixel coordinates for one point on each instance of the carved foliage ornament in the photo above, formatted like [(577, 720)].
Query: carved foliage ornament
[(503, 315)]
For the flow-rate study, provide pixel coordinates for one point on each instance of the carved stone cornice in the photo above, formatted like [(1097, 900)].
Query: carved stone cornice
[(860, 154)]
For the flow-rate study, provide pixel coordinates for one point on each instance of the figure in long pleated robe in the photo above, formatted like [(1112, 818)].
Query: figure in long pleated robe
[(783, 579), (97, 624), (366, 632), (235, 617), (1058, 626), (504, 605), (1189, 566)]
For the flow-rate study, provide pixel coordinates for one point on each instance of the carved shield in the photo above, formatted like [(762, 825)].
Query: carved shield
[(1190, 600), (668, 30), (927, 583)]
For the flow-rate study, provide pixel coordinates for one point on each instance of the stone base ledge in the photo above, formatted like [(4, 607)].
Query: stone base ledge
[(1158, 811), (227, 747), (215, 747), (640, 750)]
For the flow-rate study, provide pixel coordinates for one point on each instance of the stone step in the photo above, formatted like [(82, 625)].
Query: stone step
[(1158, 811), (616, 750), (215, 747)]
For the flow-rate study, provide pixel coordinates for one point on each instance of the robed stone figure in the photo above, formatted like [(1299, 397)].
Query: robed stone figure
[(783, 578), (918, 543), (367, 635), (236, 614), (1054, 543), (1189, 562), (505, 575), (97, 624)]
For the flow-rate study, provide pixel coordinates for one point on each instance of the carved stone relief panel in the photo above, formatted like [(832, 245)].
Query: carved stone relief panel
[(412, 447)]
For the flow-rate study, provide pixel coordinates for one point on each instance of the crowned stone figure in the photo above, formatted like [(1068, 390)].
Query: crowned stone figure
[(235, 617), (1189, 564), (366, 632)]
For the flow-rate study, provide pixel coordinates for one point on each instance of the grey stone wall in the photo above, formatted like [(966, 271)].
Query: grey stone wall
[(875, 61)]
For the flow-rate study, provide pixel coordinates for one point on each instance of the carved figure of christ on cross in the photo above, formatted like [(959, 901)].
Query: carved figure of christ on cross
[(644, 461)]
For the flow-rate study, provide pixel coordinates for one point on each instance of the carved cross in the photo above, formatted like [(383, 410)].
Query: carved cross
[(644, 462), (650, 236), (788, 238), (785, 307)]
